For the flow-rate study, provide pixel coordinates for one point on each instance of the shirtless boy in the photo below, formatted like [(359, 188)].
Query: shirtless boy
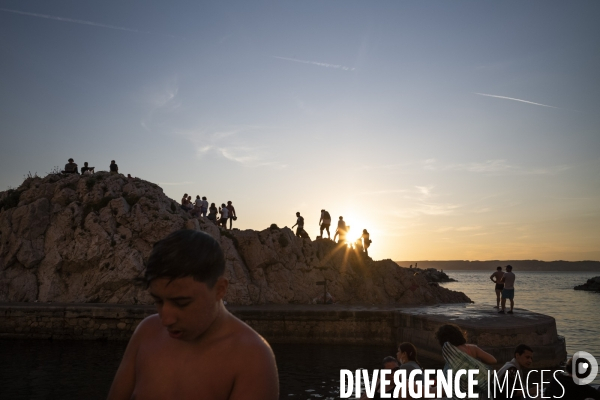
[(496, 278), (193, 348)]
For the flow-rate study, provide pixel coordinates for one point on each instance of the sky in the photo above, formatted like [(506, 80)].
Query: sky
[(450, 130)]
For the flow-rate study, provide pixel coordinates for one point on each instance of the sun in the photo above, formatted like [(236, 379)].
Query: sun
[(356, 224)]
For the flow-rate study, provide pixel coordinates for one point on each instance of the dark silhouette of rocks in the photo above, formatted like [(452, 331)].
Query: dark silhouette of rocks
[(73, 238), (592, 285)]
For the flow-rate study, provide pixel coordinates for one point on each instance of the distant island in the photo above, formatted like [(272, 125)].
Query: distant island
[(520, 265)]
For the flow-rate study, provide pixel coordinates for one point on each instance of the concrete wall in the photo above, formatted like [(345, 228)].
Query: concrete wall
[(334, 324)]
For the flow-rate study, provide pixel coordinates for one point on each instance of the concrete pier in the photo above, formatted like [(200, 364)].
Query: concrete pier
[(318, 324)]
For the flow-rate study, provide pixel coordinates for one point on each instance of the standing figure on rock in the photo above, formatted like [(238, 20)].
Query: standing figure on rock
[(341, 230), (224, 215), (70, 167), (232, 215), (113, 167), (496, 277), (204, 208), (366, 241), (325, 223), (300, 223), (212, 213)]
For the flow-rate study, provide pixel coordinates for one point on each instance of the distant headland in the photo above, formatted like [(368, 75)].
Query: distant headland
[(519, 265)]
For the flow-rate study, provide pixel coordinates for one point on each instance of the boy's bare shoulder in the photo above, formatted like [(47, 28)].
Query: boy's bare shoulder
[(149, 326), (247, 340)]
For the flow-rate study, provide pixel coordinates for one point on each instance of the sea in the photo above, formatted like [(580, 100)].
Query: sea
[(47, 369)]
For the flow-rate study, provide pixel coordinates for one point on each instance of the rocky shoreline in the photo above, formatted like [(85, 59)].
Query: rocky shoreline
[(592, 285), (85, 239)]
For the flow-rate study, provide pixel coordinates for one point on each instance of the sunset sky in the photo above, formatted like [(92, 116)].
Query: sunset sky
[(450, 130)]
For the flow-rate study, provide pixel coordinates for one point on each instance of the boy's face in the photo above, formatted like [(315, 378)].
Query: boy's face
[(525, 359), (186, 307)]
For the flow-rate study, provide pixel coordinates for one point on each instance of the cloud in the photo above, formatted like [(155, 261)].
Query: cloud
[(81, 22), (511, 98), (160, 100), (494, 167), (320, 64), (230, 144)]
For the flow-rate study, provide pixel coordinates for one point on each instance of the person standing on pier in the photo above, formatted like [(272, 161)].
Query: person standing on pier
[(509, 289), (496, 277)]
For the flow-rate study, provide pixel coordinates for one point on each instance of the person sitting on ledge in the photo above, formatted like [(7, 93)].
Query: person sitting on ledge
[(70, 167), (86, 170), (194, 347)]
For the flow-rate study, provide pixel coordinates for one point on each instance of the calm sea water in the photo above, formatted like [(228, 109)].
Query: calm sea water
[(44, 369)]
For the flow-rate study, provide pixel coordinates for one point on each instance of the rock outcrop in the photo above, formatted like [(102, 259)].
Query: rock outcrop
[(592, 285), (86, 238)]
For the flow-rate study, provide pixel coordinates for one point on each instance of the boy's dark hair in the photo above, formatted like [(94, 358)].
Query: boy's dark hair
[(499, 268), (522, 348), (390, 359), (186, 253), (509, 267), (450, 333)]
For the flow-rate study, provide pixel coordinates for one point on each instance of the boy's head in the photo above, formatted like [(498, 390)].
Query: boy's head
[(524, 355), (185, 278), (186, 253)]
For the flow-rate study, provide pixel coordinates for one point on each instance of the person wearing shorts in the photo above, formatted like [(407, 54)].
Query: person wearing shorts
[(509, 289), (496, 277), (325, 223)]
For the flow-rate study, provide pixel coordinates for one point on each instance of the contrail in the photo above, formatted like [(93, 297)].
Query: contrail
[(510, 98), (79, 21), (342, 67)]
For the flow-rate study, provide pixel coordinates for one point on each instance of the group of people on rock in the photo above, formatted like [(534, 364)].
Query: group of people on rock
[(200, 208), (459, 355), (362, 244), (72, 168)]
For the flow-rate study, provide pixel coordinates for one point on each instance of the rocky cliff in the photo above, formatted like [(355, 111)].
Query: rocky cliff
[(86, 238)]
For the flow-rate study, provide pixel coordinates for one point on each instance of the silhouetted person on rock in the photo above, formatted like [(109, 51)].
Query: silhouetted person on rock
[(341, 230), (366, 241), (325, 223), (204, 209), (212, 213), (224, 215), (496, 277), (70, 167), (232, 215), (300, 223), (114, 168), (87, 169)]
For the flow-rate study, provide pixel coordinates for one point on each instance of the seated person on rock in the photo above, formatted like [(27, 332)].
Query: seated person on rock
[(70, 167), (193, 348), (113, 167), (87, 170)]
